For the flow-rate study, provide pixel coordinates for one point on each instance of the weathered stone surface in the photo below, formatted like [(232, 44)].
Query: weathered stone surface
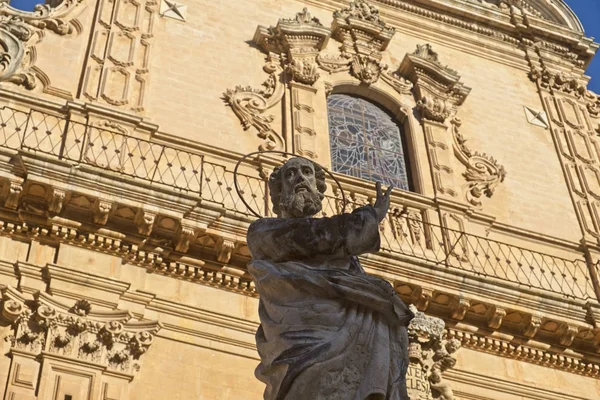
[(328, 330)]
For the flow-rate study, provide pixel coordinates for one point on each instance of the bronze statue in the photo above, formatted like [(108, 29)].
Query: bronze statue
[(328, 331)]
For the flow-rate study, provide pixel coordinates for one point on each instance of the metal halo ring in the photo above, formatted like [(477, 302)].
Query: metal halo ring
[(249, 207)]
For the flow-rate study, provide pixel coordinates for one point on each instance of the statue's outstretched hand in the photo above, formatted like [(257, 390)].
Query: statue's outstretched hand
[(382, 203)]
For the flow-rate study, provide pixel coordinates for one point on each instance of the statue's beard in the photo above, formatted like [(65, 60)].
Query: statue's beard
[(302, 204)]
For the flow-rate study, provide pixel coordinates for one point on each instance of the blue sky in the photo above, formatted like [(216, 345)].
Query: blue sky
[(588, 12)]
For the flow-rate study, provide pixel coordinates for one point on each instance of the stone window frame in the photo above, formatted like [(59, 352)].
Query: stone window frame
[(422, 91)]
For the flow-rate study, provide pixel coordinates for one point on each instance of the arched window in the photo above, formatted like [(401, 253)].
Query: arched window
[(366, 142)]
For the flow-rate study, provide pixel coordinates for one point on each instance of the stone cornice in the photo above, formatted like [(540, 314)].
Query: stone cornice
[(475, 381)]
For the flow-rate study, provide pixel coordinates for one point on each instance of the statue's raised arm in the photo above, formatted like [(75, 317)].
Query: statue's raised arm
[(328, 330)]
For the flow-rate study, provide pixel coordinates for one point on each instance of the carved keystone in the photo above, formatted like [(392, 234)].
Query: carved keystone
[(15, 189), (494, 316), (532, 325), (100, 211), (144, 220), (567, 334), (185, 234), (421, 298), (459, 307)]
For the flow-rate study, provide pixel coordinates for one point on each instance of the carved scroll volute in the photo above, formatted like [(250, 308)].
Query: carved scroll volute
[(250, 105), (12, 54), (483, 172), (298, 40)]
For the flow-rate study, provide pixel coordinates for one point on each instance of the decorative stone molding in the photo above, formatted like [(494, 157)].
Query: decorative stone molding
[(57, 201), (494, 316), (144, 220), (225, 249), (13, 190), (430, 354), (101, 210), (118, 68), (17, 28), (364, 35), (483, 173), (298, 41), (438, 89), (400, 84), (533, 324), (51, 331), (250, 105), (567, 84), (506, 348), (459, 307), (185, 235), (422, 297), (567, 334)]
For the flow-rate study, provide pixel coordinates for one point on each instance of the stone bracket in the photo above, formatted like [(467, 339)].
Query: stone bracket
[(567, 334), (185, 234), (13, 191), (459, 307), (494, 316), (100, 211), (533, 323), (421, 298), (144, 219)]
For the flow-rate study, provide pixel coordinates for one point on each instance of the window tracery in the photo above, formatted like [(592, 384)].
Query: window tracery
[(366, 142)]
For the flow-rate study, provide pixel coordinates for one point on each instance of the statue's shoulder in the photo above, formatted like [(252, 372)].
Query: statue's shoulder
[(261, 224)]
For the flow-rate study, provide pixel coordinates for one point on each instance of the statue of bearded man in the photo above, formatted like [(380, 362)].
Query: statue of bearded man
[(328, 331)]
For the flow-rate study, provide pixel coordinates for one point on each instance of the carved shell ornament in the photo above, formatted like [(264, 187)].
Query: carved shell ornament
[(17, 29)]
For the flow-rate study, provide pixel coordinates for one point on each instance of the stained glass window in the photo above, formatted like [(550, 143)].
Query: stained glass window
[(366, 142)]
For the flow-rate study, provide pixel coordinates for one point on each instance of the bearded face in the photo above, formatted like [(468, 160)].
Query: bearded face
[(299, 194)]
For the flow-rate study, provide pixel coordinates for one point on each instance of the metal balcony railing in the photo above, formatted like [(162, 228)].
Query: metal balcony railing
[(405, 232)]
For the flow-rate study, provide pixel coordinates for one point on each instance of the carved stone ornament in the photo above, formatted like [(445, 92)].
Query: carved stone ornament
[(105, 337), (250, 105), (298, 40), (431, 354), (364, 35), (483, 172), (438, 88), (17, 29), (564, 83)]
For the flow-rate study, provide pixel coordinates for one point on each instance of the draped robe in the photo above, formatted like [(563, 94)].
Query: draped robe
[(328, 331)]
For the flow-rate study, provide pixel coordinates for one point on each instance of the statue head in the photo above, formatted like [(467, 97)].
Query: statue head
[(297, 188)]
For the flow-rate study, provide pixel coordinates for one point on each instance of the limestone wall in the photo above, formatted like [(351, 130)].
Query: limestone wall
[(122, 239)]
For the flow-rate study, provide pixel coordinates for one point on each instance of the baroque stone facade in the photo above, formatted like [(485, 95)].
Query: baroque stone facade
[(123, 235)]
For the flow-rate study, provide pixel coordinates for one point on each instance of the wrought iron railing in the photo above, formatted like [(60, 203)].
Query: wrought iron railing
[(406, 233)]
